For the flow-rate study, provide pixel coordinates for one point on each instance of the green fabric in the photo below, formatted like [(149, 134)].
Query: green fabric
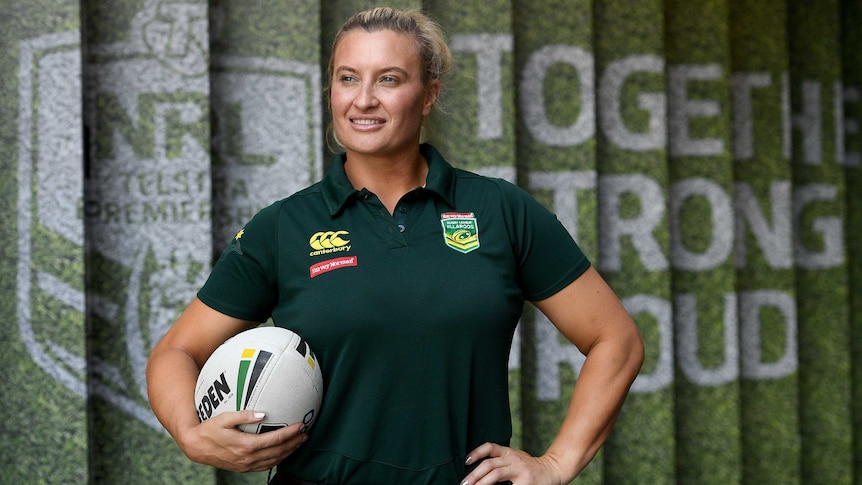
[(629, 59), (851, 45), (556, 162), (475, 120), (39, 267), (769, 386), (821, 268), (412, 332), (701, 224), (148, 176)]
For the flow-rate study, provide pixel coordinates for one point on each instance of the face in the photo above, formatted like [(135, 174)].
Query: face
[(377, 94)]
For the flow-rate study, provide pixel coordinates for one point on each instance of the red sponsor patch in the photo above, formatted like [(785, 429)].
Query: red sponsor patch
[(457, 215), (331, 264)]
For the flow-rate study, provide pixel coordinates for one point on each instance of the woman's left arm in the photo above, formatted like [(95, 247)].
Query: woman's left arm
[(590, 315)]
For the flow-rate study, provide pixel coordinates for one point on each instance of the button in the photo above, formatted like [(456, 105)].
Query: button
[(403, 209), (401, 227)]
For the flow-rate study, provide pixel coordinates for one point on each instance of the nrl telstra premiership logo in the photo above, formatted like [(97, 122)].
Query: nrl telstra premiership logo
[(159, 179)]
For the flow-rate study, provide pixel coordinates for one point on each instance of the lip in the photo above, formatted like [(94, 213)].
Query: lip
[(366, 122)]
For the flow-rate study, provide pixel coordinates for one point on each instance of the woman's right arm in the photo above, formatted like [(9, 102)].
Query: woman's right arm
[(172, 372)]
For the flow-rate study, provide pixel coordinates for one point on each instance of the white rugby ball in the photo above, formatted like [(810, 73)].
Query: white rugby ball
[(266, 369)]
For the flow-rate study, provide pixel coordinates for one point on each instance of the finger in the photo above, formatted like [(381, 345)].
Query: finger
[(488, 471), (235, 418), (494, 463), (483, 451), (288, 437), (268, 449)]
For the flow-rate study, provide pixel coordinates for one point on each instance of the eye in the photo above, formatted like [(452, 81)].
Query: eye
[(346, 79), (388, 79)]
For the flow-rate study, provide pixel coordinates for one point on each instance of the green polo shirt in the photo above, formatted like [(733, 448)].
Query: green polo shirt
[(411, 315)]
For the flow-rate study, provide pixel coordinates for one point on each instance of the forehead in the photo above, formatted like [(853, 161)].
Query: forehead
[(359, 48)]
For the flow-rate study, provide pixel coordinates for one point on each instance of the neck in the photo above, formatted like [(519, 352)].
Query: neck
[(387, 177)]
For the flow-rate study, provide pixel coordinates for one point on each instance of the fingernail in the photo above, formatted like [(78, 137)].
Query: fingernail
[(305, 438), (259, 415), (467, 462), (465, 482)]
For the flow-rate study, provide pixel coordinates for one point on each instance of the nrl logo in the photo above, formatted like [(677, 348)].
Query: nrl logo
[(157, 183)]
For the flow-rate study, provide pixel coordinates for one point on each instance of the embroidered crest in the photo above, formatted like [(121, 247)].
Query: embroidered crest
[(460, 231)]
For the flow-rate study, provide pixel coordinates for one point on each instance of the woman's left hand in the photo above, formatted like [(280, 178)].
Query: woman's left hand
[(502, 464)]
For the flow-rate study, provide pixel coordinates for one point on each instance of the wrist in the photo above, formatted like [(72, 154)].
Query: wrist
[(185, 435), (566, 467)]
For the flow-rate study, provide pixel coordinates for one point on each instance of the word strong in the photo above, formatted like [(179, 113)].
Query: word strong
[(217, 393)]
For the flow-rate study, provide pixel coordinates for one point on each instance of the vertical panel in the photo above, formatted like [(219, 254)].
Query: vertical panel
[(764, 254), (851, 46), (633, 230), (44, 422), (824, 353), (555, 146), (474, 126), (267, 139), (267, 117), (701, 233), (148, 216), (477, 129)]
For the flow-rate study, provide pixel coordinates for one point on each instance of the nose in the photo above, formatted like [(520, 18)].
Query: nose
[(366, 97)]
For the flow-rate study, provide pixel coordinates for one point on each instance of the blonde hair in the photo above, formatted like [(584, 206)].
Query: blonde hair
[(433, 51)]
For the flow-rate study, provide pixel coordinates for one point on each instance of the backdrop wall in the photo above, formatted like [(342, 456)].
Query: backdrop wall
[(706, 154)]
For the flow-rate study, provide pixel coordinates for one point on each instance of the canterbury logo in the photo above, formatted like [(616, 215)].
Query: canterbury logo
[(325, 242)]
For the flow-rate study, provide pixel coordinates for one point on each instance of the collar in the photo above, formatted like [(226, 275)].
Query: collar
[(337, 190)]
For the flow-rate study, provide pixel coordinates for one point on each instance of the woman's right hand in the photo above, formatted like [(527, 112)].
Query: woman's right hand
[(219, 442), (172, 372)]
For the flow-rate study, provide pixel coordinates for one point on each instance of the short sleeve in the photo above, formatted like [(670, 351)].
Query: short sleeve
[(548, 257), (243, 282)]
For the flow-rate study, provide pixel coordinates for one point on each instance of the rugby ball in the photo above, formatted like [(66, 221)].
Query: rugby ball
[(266, 369)]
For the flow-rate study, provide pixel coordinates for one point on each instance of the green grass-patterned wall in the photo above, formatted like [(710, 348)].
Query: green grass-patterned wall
[(821, 267)]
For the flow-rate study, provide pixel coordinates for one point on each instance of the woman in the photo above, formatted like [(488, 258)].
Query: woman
[(413, 332)]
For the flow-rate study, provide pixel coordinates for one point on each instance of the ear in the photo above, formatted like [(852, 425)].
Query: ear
[(432, 92)]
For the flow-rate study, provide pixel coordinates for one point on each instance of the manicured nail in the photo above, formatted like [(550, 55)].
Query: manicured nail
[(467, 462), (259, 415), (465, 482)]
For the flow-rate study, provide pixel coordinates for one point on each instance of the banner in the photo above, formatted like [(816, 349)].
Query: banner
[(701, 241), (763, 245), (633, 225), (851, 127), (146, 212), (45, 425), (556, 160), (821, 264), (267, 87)]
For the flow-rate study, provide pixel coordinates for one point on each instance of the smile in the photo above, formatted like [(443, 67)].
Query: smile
[(366, 122)]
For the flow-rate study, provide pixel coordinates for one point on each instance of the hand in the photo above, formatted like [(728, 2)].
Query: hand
[(219, 443), (501, 463)]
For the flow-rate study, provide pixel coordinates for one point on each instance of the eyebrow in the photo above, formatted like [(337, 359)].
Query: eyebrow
[(385, 69)]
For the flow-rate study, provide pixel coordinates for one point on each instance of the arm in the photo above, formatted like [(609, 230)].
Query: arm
[(172, 372), (589, 314)]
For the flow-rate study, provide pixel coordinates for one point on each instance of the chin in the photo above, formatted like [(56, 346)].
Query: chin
[(376, 149)]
